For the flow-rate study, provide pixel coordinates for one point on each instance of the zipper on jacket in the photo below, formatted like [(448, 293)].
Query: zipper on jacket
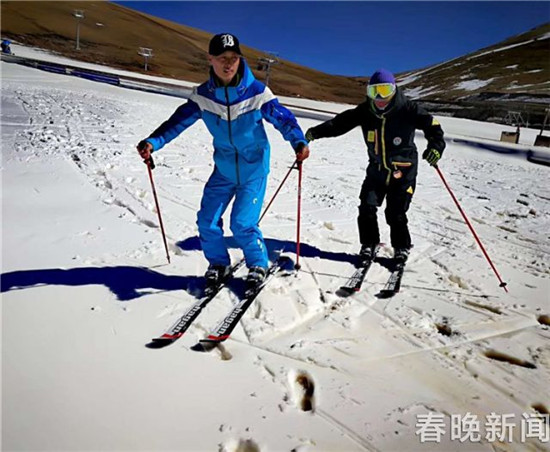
[(383, 143), (231, 136)]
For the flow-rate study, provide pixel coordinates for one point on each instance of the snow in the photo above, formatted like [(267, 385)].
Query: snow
[(46, 55), (472, 85), (420, 91), (85, 285), (511, 46), (411, 77)]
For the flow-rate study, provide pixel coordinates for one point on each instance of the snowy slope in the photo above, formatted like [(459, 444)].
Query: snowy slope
[(85, 285)]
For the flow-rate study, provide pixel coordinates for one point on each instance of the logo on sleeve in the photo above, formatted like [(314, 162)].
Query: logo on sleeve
[(397, 141), (370, 135)]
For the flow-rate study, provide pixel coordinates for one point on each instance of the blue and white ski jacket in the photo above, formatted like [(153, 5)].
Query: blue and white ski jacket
[(233, 115)]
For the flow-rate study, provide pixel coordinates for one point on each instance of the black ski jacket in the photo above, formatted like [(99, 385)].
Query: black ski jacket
[(389, 134)]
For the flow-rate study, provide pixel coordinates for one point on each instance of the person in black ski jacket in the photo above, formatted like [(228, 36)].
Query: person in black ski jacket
[(388, 120)]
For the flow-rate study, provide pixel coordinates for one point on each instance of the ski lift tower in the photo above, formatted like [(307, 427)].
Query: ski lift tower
[(146, 54), (516, 118), (79, 15), (543, 140), (513, 118), (265, 62)]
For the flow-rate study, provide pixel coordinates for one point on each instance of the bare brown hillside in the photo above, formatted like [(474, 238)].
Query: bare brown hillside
[(520, 64), (111, 34), (179, 51)]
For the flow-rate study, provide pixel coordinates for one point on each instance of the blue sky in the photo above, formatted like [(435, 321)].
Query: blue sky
[(356, 38)]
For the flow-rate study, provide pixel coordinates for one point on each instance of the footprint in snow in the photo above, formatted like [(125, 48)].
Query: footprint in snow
[(148, 223), (240, 445), (303, 390), (503, 357)]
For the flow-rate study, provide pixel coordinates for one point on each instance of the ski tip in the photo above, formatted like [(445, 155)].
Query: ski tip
[(158, 343), (345, 292), (164, 340), (204, 346), (198, 347), (386, 293)]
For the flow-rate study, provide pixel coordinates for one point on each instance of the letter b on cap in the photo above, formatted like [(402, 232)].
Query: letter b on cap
[(228, 41)]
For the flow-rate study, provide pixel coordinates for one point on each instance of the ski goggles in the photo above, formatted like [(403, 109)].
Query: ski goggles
[(383, 90)]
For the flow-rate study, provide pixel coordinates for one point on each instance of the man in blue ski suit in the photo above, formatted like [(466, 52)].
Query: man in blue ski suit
[(232, 104)]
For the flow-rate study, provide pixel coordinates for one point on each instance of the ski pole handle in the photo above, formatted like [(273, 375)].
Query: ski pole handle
[(150, 162)]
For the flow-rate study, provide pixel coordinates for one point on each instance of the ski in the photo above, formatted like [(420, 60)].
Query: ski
[(356, 281), (393, 285), (224, 328), (184, 322)]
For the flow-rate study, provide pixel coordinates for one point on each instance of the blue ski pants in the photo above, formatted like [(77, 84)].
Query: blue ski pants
[(249, 197)]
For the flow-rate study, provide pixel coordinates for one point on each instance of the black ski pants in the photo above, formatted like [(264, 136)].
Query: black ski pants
[(398, 193)]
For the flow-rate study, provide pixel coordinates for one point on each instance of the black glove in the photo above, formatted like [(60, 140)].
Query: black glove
[(142, 145), (309, 135), (300, 147), (302, 151), (432, 156)]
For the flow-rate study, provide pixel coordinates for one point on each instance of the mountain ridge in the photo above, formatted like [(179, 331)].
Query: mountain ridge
[(517, 66)]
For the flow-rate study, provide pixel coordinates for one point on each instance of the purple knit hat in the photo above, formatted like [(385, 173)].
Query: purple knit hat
[(382, 76)]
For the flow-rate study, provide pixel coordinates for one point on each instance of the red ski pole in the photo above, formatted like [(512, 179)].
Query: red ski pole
[(150, 166), (502, 283), (277, 192), (297, 266)]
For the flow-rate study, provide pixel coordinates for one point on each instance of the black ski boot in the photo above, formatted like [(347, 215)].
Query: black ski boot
[(216, 274), (401, 255), (366, 254), (255, 278)]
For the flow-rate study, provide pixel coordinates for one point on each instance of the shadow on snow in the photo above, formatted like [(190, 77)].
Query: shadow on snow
[(128, 283), (540, 157)]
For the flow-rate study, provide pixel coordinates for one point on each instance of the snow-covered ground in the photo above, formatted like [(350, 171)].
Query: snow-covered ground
[(45, 55), (85, 285)]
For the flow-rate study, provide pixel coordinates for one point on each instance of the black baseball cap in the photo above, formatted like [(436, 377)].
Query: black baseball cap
[(222, 42)]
